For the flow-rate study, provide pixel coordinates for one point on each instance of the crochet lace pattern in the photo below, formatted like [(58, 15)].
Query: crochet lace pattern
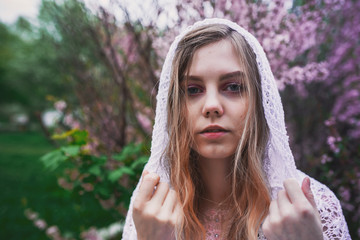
[(278, 162)]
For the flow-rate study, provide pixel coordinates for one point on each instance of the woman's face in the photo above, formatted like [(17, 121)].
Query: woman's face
[(217, 102)]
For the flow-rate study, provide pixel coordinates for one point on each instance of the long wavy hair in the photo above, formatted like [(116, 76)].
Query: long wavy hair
[(250, 197)]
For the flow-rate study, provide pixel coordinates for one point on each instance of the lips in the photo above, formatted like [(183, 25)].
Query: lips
[(213, 132), (214, 129)]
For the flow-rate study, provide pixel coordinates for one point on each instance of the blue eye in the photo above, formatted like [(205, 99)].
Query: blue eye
[(234, 87), (193, 90)]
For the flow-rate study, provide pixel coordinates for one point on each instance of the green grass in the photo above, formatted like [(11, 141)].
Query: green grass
[(25, 183)]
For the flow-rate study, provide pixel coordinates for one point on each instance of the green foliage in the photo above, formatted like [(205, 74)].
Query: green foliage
[(30, 70), (104, 177), (38, 61), (133, 159), (25, 183), (53, 159)]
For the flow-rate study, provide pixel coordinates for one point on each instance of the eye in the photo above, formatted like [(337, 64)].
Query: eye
[(193, 90), (234, 87)]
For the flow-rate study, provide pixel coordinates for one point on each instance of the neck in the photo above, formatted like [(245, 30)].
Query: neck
[(216, 176)]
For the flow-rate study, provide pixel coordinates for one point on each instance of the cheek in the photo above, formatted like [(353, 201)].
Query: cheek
[(191, 113), (244, 110), (241, 118), (190, 120)]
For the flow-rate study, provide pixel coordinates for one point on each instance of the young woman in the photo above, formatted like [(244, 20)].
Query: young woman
[(220, 165)]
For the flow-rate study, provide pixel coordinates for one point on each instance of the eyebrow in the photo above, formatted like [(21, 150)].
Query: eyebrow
[(237, 74)]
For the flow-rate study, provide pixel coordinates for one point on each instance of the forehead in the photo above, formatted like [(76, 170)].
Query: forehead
[(216, 58)]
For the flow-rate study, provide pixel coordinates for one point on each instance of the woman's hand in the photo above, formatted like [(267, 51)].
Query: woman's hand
[(156, 212), (293, 215)]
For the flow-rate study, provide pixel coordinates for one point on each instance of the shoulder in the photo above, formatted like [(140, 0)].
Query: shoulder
[(332, 217)]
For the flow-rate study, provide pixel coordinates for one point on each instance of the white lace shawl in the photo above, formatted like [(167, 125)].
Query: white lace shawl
[(279, 162)]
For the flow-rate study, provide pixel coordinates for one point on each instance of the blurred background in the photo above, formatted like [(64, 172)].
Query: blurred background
[(78, 81)]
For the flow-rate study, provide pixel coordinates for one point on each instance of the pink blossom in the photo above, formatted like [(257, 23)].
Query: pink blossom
[(65, 184), (41, 224), (325, 158), (31, 215), (90, 234), (52, 230), (331, 141), (145, 122), (345, 193), (74, 174), (71, 122), (108, 203), (330, 122), (88, 187), (60, 105)]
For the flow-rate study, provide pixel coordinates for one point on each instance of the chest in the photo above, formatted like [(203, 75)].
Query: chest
[(216, 223)]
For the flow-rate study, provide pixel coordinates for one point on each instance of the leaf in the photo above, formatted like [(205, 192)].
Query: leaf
[(80, 137), (103, 191), (64, 135), (140, 161), (118, 157), (53, 159), (99, 160), (129, 152), (95, 170), (118, 173), (71, 151), (131, 149)]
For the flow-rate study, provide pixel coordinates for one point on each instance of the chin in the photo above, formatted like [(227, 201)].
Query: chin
[(216, 153)]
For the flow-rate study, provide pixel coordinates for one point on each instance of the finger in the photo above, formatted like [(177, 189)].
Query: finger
[(178, 214), (269, 229), (266, 227), (160, 193), (274, 213), (146, 189), (145, 172), (305, 187), (284, 204), (170, 201), (294, 191)]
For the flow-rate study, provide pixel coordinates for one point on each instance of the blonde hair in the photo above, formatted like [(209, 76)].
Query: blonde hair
[(249, 192)]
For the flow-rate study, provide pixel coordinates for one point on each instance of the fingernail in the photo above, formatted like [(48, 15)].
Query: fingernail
[(308, 182), (151, 176), (145, 172)]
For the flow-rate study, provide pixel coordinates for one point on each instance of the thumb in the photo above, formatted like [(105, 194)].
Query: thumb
[(305, 187)]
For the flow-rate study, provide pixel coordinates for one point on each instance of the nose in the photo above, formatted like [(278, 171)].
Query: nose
[(212, 106)]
